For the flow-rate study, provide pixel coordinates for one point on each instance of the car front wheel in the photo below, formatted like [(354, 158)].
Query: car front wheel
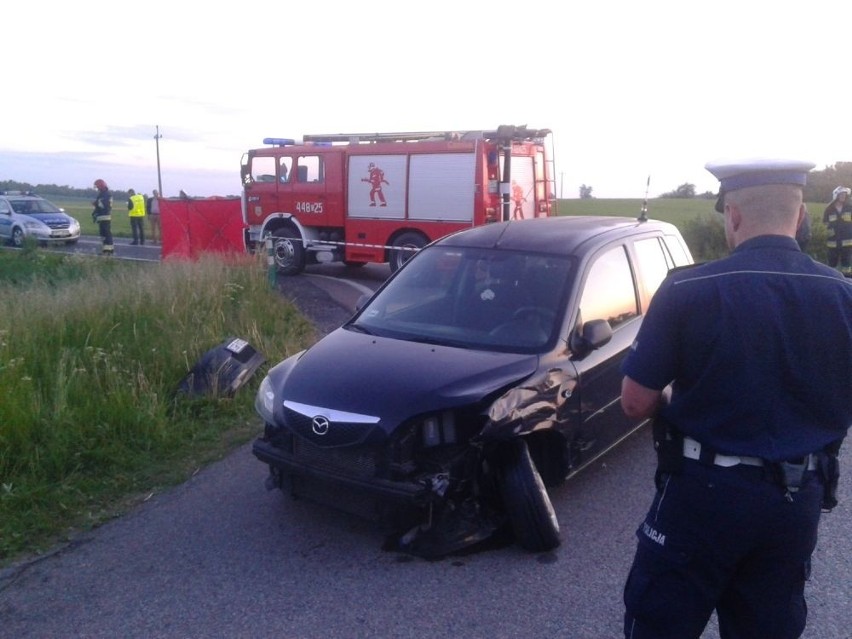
[(526, 501), (17, 237)]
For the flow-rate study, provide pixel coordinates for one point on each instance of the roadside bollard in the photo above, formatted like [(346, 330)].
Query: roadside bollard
[(271, 271)]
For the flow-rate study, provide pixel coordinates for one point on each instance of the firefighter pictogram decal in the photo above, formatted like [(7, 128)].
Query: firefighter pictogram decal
[(375, 180)]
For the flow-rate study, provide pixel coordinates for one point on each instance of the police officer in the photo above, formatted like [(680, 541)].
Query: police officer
[(136, 211), (102, 214), (745, 363)]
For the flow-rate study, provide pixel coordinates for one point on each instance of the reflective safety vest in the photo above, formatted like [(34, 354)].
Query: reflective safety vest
[(137, 205)]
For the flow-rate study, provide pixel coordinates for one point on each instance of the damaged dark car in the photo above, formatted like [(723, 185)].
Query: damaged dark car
[(484, 372)]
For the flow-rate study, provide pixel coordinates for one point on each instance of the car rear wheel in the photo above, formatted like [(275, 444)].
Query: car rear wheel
[(526, 501), (405, 246)]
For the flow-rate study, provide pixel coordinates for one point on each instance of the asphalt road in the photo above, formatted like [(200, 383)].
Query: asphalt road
[(219, 556)]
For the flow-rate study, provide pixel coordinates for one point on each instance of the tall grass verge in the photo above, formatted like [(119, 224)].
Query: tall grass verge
[(89, 364)]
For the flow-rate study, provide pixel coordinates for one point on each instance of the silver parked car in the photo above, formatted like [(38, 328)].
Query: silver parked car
[(25, 215)]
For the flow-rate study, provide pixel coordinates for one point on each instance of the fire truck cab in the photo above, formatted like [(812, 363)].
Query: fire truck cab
[(359, 198)]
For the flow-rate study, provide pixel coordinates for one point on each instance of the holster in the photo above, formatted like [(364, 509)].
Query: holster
[(828, 467), (668, 443)]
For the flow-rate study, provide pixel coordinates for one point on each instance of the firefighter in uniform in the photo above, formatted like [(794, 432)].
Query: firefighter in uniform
[(136, 211), (745, 365), (103, 216), (838, 219)]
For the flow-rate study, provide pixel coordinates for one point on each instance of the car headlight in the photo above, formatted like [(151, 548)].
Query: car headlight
[(438, 429), (264, 402), (74, 226), (34, 226)]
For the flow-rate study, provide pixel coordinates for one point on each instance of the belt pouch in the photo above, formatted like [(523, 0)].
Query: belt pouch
[(668, 443), (829, 470)]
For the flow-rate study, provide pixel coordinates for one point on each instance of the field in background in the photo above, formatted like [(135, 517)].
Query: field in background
[(668, 210), (81, 208), (696, 219), (674, 211)]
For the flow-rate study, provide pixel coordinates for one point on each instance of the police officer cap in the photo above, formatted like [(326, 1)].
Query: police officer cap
[(739, 174)]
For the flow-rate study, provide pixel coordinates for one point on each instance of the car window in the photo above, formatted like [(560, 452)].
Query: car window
[(475, 298), (310, 168), (40, 205), (609, 292), (4, 207), (263, 169), (677, 251), (654, 263), (285, 164), (20, 206)]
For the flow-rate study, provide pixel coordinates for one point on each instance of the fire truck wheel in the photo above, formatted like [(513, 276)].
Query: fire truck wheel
[(405, 246), (289, 251)]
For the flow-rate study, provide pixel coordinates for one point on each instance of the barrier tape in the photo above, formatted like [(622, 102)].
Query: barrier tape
[(354, 244)]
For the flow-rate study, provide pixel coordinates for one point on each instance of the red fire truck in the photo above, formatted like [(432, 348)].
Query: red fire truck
[(360, 198)]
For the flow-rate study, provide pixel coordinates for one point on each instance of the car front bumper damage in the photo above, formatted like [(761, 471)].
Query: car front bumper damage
[(426, 519)]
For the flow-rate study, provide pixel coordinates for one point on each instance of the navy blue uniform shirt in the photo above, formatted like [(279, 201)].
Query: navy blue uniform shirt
[(758, 346)]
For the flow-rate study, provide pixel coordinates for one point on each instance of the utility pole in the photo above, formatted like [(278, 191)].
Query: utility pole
[(159, 177)]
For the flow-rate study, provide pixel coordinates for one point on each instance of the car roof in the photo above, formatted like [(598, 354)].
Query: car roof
[(559, 235), (21, 196)]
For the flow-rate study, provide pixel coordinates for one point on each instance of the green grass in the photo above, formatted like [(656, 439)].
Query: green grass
[(81, 208), (674, 211), (91, 354)]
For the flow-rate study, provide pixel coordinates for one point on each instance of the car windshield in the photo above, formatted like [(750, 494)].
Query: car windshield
[(485, 299), (33, 206)]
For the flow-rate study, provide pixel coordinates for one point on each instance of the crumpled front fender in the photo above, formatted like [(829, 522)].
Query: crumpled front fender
[(543, 402)]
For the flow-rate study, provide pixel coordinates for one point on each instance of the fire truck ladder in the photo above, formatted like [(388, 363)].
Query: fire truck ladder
[(507, 133), (550, 185)]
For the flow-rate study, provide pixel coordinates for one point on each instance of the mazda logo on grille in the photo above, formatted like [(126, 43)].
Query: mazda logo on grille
[(319, 425)]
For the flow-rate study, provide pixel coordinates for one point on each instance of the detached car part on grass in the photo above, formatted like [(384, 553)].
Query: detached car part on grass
[(485, 370), (222, 370)]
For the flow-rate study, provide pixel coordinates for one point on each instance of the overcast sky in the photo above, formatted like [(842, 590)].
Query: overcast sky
[(630, 89)]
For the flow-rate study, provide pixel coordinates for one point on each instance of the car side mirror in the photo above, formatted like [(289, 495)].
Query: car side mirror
[(591, 335)]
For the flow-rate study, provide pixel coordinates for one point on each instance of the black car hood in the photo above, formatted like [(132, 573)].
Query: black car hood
[(394, 379)]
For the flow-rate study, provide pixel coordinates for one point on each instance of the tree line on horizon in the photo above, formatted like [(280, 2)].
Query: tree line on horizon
[(54, 190), (821, 184)]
